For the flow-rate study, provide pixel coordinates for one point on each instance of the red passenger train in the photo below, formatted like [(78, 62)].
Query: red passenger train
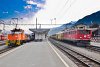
[(81, 37)]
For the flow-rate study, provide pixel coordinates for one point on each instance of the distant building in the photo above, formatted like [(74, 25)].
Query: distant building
[(40, 34), (96, 35)]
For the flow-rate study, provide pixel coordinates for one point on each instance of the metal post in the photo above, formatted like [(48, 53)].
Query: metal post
[(55, 20), (40, 26), (17, 21), (36, 23), (3, 26), (51, 21)]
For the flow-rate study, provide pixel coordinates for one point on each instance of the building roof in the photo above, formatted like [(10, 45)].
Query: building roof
[(40, 30)]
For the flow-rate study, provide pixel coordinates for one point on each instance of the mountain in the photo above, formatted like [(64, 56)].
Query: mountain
[(69, 25), (87, 20), (90, 19), (61, 28)]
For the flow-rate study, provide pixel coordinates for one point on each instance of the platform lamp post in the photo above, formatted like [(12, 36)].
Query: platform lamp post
[(36, 23)]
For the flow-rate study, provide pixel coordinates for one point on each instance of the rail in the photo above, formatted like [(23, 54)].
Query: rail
[(82, 60), (6, 49)]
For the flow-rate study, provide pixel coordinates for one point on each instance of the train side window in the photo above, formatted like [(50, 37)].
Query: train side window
[(66, 32), (69, 32), (75, 32), (84, 31)]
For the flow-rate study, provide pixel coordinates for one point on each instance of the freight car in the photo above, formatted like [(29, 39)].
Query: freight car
[(16, 37), (81, 37)]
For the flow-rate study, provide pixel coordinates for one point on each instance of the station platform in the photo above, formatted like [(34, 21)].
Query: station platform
[(95, 44), (35, 54)]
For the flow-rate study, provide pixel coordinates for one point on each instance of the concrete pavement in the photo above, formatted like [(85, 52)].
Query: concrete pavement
[(35, 54)]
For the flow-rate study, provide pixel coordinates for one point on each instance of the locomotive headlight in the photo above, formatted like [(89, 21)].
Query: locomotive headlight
[(85, 36), (88, 35), (80, 37)]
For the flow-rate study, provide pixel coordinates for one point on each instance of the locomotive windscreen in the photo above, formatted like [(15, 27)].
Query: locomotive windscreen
[(84, 31)]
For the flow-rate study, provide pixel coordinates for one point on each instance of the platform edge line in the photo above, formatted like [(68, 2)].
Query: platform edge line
[(58, 55)]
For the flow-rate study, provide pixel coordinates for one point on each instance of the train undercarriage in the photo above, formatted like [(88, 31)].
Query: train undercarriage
[(82, 43), (79, 43), (14, 43)]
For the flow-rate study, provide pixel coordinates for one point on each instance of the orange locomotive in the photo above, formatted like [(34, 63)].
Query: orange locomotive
[(16, 37)]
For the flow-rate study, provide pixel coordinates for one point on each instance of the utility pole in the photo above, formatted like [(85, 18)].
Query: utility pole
[(55, 20), (3, 26), (40, 26), (51, 21), (36, 22), (17, 21)]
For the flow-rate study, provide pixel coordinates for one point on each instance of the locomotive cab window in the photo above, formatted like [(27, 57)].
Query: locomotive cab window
[(84, 31)]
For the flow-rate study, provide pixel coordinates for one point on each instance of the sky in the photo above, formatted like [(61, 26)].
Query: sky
[(67, 10), (47, 11), (19, 8)]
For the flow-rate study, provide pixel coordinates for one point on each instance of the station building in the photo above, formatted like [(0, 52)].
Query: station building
[(40, 34)]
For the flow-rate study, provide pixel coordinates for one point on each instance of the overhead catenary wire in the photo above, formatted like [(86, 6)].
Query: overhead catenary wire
[(62, 7), (74, 1), (67, 9), (57, 13)]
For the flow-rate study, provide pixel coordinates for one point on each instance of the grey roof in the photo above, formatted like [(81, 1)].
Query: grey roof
[(40, 30)]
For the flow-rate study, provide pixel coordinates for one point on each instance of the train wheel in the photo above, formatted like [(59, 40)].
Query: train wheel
[(9, 46), (21, 42)]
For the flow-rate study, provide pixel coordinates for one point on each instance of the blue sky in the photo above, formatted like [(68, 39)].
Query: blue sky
[(46, 10), (19, 8)]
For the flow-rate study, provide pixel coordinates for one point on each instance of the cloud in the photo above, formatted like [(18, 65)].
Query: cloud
[(31, 2), (40, 5), (28, 7), (34, 9)]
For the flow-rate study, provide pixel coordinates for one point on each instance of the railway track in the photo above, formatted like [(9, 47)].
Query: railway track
[(78, 58), (89, 48), (93, 49), (6, 49)]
